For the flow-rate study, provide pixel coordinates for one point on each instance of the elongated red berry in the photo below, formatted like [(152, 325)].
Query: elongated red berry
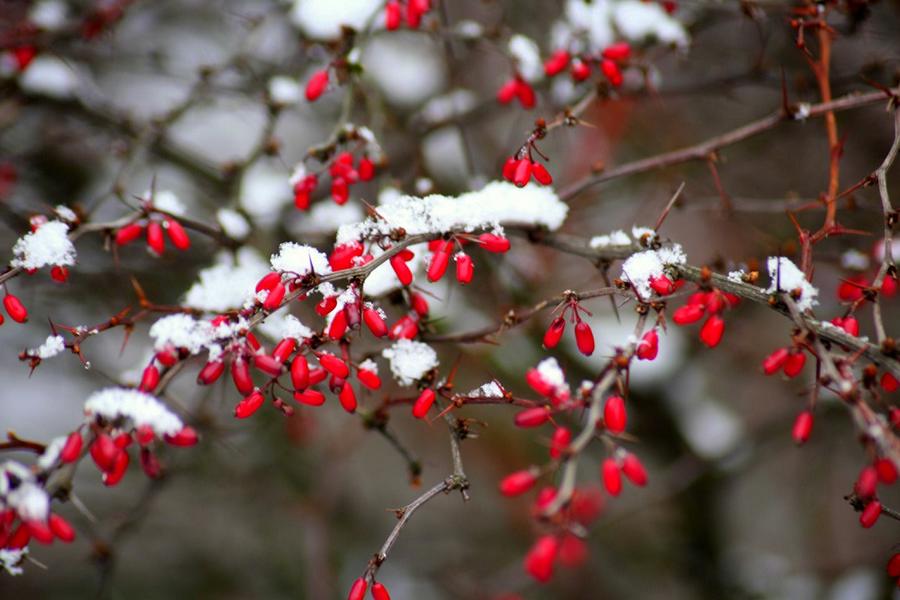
[(317, 85), (525, 93), (712, 330), (493, 242), (268, 281), (275, 296), (518, 483), (128, 234), (522, 174), (580, 70), (340, 191), (379, 592), (648, 347), (532, 417), (775, 361), (59, 273), (334, 365), (559, 443), (584, 338), (611, 71), (40, 532), (662, 285), (554, 332), (104, 452), (338, 326), (541, 174), (802, 427), (618, 51), (893, 566), (507, 91), (870, 514), (465, 268), (155, 240), (150, 464), (556, 63), (889, 383), (268, 364), (634, 470), (405, 328), (347, 398), (185, 437), (310, 397), (866, 483), (369, 379), (687, 314), (423, 403), (177, 235), (358, 590), (438, 265), (392, 15), (887, 471), (509, 168), (540, 558), (149, 379), (418, 303), (15, 309), (71, 450), (614, 414), (240, 374), (375, 322), (61, 528), (795, 363), (284, 349), (249, 405), (210, 372), (851, 325), (401, 269)]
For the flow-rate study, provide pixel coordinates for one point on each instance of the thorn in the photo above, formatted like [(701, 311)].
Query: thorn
[(668, 208)]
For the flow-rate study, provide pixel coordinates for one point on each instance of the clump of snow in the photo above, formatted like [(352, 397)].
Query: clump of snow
[(491, 389), (410, 360), (49, 245), (527, 56), (49, 15), (20, 492), (49, 76), (638, 232), (784, 276), (552, 374), (52, 346), (166, 201), (639, 21), (280, 325), (322, 19), (616, 238), (737, 276), (369, 365), (229, 283), (183, 331), (233, 223), (51, 453), (498, 203), (284, 90), (65, 213), (855, 260), (11, 559), (140, 408), (300, 260), (641, 267)]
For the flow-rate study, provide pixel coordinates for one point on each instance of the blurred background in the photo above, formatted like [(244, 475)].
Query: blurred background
[(179, 95)]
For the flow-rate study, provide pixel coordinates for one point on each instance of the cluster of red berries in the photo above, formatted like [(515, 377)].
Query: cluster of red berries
[(360, 586), (584, 336), (711, 303), (413, 10), (519, 89), (17, 532), (156, 226), (343, 174), (610, 63), (882, 471), (521, 170)]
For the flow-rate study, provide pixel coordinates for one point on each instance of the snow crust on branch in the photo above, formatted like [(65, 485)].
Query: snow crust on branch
[(48, 245), (138, 407), (785, 276), (642, 267)]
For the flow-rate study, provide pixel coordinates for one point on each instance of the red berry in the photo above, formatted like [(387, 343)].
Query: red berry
[(375, 322), (59, 274), (405, 328), (532, 417), (612, 481), (796, 360), (177, 235), (369, 379), (316, 85), (275, 296), (870, 514), (617, 51), (249, 405), (71, 450), (423, 403), (893, 566), (379, 592), (14, 307), (580, 70), (392, 16), (866, 483), (614, 414), (775, 361), (438, 265), (338, 326), (889, 383), (268, 364), (689, 313), (61, 528), (518, 483), (240, 374), (310, 397), (648, 347), (333, 365), (509, 168), (541, 174), (540, 559), (401, 269), (572, 550), (556, 63), (211, 372), (358, 590), (149, 379), (712, 330), (300, 373), (347, 398), (186, 436), (507, 91), (522, 173), (554, 332), (634, 470), (104, 452), (662, 285), (465, 268), (802, 427), (584, 338), (128, 234), (611, 71), (493, 243), (559, 443), (284, 349), (155, 240), (887, 472), (525, 94)]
